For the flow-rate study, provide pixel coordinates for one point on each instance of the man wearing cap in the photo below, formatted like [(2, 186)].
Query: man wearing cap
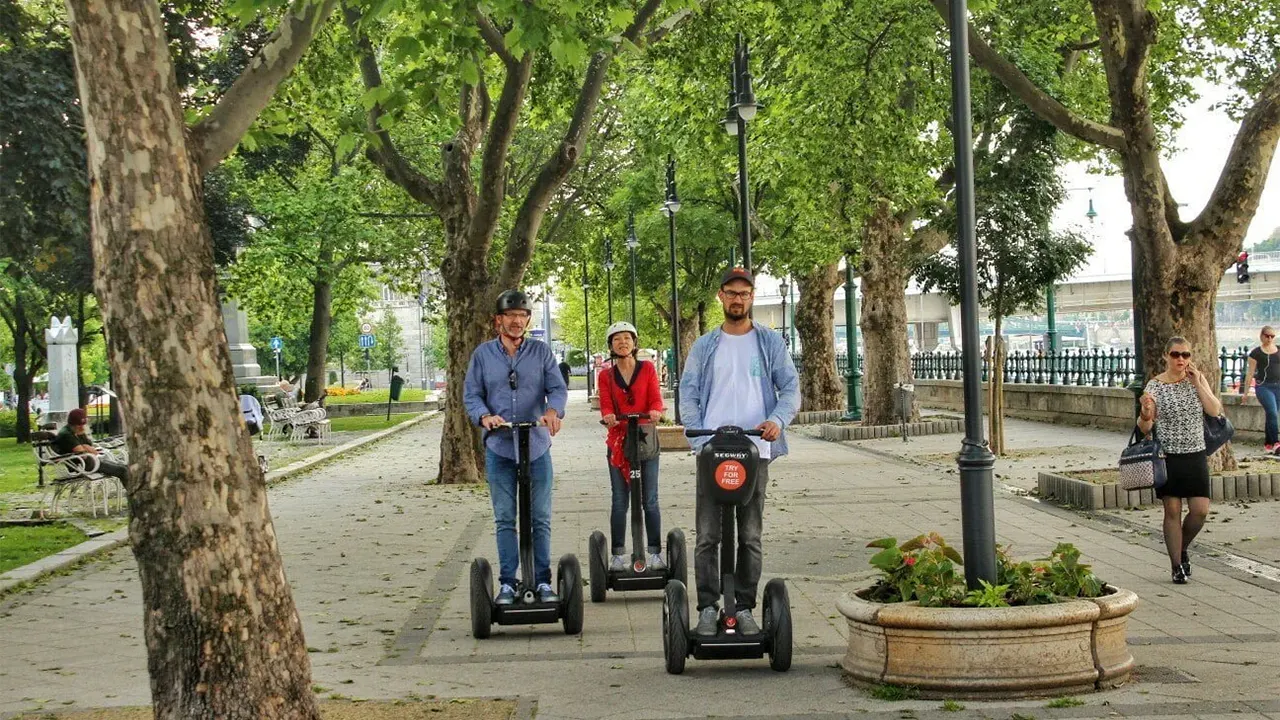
[(738, 374), (73, 439), (515, 379)]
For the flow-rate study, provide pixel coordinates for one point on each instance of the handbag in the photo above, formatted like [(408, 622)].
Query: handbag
[(1142, 463), (1217, 432), (648, 435)]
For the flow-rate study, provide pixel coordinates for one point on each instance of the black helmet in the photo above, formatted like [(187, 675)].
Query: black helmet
[(513, 300)]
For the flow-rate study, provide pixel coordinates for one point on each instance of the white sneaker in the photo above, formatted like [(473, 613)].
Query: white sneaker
[(618, 563), (656, 562)]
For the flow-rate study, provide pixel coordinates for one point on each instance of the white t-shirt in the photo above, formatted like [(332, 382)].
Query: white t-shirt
[(737, 394)]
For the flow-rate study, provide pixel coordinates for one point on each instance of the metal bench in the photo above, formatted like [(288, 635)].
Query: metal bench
[(75, 475)]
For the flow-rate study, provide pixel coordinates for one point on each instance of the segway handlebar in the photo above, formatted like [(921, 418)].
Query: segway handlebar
[(513, 425), (723, 430), (628, 416)]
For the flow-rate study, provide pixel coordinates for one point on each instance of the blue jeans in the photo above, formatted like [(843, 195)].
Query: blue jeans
[(1268, 397), (502, 491), (622, 501)]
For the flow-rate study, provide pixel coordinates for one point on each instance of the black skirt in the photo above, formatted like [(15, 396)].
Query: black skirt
[(1188, 476)]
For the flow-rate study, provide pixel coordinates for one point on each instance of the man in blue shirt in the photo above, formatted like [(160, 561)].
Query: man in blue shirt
[(514, 379), (738, 374)]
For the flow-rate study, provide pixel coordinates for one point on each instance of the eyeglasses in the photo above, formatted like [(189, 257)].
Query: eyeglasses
[(1266, 336), (512, 379), (1172, 354), (737, 294)]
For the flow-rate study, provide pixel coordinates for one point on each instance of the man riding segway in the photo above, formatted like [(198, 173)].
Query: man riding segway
[(739, 374), (512, 379)]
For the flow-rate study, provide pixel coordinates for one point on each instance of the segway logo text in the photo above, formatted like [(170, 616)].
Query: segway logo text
[(730, 475)]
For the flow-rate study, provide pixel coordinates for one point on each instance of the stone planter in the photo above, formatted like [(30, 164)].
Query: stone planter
[(1081, 494), (671, 437), (1069, 647), (858, 431)]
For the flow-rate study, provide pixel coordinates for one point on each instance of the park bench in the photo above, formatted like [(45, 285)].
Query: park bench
[(285, 417), (76, 474)]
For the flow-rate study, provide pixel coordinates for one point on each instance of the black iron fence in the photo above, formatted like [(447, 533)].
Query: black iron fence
[(1096, 367)]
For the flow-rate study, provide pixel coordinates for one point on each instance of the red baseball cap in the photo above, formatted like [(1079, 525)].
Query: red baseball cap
[(736, 273), (77, 417)]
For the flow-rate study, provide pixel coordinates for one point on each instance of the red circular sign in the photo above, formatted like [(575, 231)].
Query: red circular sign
[(730, 474)]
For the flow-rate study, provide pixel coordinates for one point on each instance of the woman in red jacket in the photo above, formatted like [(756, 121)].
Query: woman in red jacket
[(630, 386)]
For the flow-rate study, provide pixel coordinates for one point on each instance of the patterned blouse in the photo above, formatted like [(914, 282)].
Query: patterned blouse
[(1179, 416)]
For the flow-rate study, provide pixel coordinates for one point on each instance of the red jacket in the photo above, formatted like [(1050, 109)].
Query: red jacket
[(645, 396)]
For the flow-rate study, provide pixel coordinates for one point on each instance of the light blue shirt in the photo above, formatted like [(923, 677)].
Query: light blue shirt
[(779, 383), (539, 385)]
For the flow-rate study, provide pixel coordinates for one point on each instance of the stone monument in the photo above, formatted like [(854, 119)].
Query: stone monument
[(64, 377), (244, 357)]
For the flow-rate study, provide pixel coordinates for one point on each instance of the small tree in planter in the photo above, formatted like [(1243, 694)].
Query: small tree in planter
[(1044, 627)]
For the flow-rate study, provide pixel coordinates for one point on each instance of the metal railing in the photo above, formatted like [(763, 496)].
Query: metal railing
[(1095, 368)]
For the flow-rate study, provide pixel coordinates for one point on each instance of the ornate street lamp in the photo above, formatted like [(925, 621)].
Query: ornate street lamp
[(586, 312), (975, 461), (852, 373), (608, 270), (783, 287), (670, 207), (632, 244), (742, 110)]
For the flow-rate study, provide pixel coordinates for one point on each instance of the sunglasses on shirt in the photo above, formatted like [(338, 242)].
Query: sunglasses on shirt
[(512, 379)]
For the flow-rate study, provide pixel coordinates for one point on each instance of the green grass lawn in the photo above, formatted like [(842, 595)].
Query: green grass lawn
[(376, 396), (368, 422), (17, 467), (23, 544)]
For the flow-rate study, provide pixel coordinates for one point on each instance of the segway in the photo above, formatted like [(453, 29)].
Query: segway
[(638, 576), (526, 609), (727, 477)]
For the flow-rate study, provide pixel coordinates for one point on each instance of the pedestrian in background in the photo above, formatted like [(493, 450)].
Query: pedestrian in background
[(1264, 366)]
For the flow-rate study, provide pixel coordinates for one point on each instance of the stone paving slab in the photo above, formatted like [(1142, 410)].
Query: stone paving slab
[(378, 560)]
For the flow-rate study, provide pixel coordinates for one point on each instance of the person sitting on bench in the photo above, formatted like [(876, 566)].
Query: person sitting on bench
[(73, 439)]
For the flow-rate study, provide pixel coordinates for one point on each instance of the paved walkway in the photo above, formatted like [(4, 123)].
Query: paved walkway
[(379, 562)]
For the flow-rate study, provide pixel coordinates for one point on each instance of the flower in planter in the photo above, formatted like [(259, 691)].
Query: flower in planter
[(925, 569)]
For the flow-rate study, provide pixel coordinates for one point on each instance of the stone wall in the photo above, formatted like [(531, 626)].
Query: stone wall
[(361, 409), (1076, 404)]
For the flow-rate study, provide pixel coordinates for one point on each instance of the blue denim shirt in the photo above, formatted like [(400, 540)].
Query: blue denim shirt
[(539, 385), (780, 380)]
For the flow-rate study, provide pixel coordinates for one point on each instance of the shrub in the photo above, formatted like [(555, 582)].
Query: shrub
[(8, 423), (925, 569), (338, 391)]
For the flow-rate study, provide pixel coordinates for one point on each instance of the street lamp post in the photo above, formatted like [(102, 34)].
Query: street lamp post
[(783, 287), (670, 207), (975, 461), (586, 312), (608, 270), (632, 243), (852, 374), (742, 110), (792, 297)]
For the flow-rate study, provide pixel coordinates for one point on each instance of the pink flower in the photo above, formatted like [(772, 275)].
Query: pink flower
[(909, 560)]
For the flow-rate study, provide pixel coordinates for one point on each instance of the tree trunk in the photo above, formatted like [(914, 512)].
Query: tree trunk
[(995, 355), (821, 387), (22, 372), (321, 322), (469, 322), (689, 331), (223, 637), (884, 315)]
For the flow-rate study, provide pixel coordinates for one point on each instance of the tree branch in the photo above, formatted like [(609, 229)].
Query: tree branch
[(493, 175), (1235, 199), (1040, 102), (213, 138), (384, 153), (493, 39), (529, 218)]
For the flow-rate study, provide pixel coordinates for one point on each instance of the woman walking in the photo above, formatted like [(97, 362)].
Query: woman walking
[(630, 386), (1176, 402), (1264, 364)]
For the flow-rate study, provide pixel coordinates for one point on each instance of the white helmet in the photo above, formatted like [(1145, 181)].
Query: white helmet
[(620, 326)]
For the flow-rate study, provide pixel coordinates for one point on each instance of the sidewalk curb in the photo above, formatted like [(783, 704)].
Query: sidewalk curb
[(15, 578)]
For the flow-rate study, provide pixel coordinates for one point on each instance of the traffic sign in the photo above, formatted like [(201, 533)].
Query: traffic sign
[(277, 343), (367, 341), (366, 328)]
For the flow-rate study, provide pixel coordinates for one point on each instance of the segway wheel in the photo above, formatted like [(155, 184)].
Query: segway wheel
[(599, 566), (481, 599), (677, 557), (777, 624), (569, 585), (675, 626)]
